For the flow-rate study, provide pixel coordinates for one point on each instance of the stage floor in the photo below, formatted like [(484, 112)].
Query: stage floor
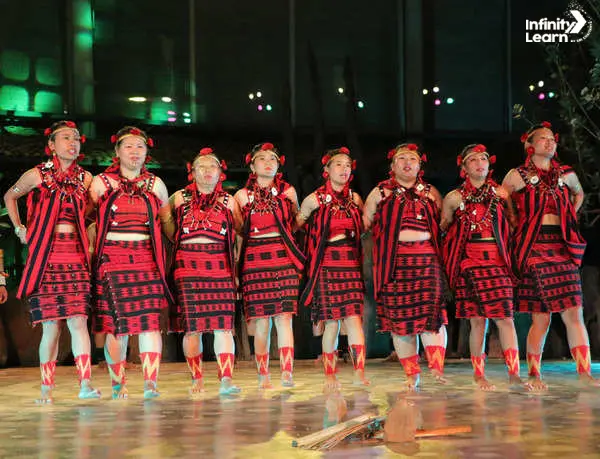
[(565, 422)]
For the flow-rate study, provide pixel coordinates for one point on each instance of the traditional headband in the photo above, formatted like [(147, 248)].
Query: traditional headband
[(531, 131), (407, 148), (264, 147), (59, 126), (471, 150), (328, 156), (129, 133), (207, 153)]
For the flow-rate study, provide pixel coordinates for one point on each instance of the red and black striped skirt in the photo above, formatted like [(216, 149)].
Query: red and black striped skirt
[(65, 287), (484, 287), (130, 292), (551, 282), (340, 289), (205, 289), (412, 302), (270, 281)]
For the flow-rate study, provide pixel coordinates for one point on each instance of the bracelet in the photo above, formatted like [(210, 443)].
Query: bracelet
[(19, 228)]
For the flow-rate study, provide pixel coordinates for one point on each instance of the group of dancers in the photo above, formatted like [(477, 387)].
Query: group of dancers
[(96, 247)]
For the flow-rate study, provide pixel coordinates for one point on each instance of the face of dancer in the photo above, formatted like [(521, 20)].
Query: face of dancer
[(544, 143), (339, 169), (406, 166), (132, 151), (477, 166), (66, 144), (265, 164), (206, 173)]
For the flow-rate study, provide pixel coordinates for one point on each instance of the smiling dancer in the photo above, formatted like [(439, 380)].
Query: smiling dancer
[(132, 291)]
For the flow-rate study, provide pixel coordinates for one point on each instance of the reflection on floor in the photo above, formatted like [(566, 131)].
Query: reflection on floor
[(564, 423)]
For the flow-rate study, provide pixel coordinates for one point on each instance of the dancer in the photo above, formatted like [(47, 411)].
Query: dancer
[(207, 221), (56, 278), (131, 288), (270, 260), (477, 217), (404, 213), (548, 249), (335, 286)]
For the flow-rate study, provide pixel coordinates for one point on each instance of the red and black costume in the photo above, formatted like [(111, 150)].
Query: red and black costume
[(407, 276), (56, 278), (204, 272), (477, 256), (270, 266), (131, 284), (547, 258), (335, 286)]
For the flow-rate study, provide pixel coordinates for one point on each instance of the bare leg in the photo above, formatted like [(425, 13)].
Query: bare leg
[(329, 343), (115, 353), (285, 343), (356, 340), (579, 343), (150, 344), (540, 324), (48, 352), (435, 347), (225, 351), (407, 349), (81, 348), (192, 349), (477, 345), (262, 342)]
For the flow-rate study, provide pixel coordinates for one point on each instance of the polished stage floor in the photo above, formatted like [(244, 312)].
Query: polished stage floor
[(564, 422)]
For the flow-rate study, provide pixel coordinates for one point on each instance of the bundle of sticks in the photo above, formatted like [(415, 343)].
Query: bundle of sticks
[(369, 426)]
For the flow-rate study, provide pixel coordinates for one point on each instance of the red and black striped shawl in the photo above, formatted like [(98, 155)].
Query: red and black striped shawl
[(153, 204), (284, 216), (387, 224), (318, 235), (460, 231), (531, 201), (43, 208)]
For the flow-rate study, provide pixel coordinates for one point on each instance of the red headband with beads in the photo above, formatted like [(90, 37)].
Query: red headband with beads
[(267, 146), (132, 132), (407, 148), (203, 153), (49, 132)]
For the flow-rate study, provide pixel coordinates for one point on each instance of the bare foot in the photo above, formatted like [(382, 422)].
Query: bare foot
[(439, 377), (359, 378), (87, 391), (286, 379), (515, 383), (228, 388), (587, 379), (150, 390), (413, 383), (197, 386), (264, 382), (331, 384), (537, 384), (46, 397), (119, 392), (484, 384)]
